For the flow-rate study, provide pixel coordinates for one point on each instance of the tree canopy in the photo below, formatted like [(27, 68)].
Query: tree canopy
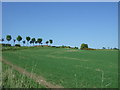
[(28, 38), (47, 42), (33, 40), (39, 40), (23, 42), (84, 46), (8, 37), (51, 41), (19, 38)]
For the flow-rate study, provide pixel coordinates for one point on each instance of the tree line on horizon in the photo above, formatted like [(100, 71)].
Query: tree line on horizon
[(39, 41), (28, 39)]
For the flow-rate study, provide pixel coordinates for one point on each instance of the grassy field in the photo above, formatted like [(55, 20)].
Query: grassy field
[(70, 68), (13, 79)]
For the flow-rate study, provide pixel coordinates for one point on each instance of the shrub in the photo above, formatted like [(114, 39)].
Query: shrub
[(53, 46), (103, 48), (63, 46), (115, 48), (17, 45), (84, 46), (76, 47), (8, 45), (3, 45)]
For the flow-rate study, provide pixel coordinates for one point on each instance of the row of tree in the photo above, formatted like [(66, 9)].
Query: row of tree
[(28, 39), (109, 48)]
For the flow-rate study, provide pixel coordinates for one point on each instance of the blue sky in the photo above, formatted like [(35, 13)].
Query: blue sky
[(67, 23)]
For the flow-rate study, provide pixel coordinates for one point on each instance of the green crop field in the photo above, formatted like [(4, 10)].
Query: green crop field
[(13, 79), (69, 68)]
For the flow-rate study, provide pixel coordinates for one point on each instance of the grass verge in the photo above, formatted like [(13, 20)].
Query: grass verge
[(13, 79)]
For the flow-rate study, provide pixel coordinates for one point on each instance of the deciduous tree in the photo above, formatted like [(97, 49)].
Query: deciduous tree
[(8, 38), (23, 42), (28, 39), (47, 42), (33, 41), (51, 41), (84, 46), (39, 40), (19, 38)]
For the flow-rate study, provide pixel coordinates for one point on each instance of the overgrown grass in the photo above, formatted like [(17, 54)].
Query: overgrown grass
[(69, 68), (13, 79)]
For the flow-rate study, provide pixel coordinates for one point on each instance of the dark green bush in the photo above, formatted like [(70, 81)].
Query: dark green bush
[(115, 48), (8, 45), (76, 47), (3, 45), (84, 46), (17, 45), (63, 46), (53, 46)]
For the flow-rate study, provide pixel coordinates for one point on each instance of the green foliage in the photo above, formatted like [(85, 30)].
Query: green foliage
[(28, 38), (36, 42), (33, 40), (2, 39), (3, 45), (103, 48), (56, 46), (8, 37), (76, 47), (65, 46), (51, 41), (14, 41), (115, 48), (6, 45), (19, 38), (23, 42), (39, 40), (17, 45), (47, 42), (84, 46)]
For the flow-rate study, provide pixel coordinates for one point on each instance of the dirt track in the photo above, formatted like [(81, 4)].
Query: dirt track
[(33, 76)]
